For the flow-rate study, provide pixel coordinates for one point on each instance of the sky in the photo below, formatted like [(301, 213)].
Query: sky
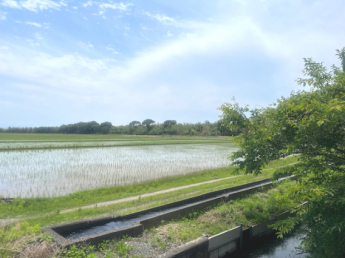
[(64, 62)]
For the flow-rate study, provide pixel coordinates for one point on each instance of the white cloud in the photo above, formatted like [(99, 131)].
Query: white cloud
[(112, 50), (160, 17), (115, 6), (86, 46), (88, 3), (75, 72), (190, 71), (10, 3), (120, 6), (38, 25), (33, 5), (38, 36), (104, 6), (32, 42), (2, 16)]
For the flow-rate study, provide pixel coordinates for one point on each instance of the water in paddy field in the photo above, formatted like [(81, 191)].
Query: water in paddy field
[(280, 248), (47, 173)]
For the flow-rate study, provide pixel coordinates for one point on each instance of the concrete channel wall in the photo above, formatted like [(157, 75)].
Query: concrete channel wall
[(227, 243), (59, 232)]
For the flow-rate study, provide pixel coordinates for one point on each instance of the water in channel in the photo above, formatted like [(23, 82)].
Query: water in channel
[(280, 248), (119, 224)]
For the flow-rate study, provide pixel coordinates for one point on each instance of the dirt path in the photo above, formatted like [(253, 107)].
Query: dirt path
[(135, 197)]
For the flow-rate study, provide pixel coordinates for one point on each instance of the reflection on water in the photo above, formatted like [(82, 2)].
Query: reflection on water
[(280, 248)]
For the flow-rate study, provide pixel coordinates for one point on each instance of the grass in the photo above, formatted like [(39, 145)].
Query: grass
[(99, 137), (10, 142), (13, 141), (76, 145)]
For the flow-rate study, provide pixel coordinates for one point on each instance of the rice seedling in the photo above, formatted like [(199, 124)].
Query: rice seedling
[(50, 173)]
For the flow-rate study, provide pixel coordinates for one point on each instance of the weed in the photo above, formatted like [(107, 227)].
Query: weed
[(78, 252), (162, 245)]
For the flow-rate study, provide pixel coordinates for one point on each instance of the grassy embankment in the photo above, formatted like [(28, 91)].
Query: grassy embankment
[(249, 210), (95, 137), (23, 232), (59, 141)]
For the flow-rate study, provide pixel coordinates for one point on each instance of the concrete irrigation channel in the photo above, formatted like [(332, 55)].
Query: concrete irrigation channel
[(95, 231)]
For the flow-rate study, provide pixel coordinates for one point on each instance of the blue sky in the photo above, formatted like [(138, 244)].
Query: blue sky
[(69, 61)]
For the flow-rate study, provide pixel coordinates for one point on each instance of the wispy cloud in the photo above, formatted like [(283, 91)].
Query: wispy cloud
[(38, 25), (86, 46), (2, 16), (88, 3), (110, 5), (112, 50), (35, 24), (114, 6), (32, 42), (10, 3), (38, 36), (160, 17), (119, 6), (33, 5)]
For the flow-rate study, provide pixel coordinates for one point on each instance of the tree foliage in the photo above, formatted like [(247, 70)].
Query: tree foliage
[(310, 123), (105, 127), (169, 122), (198, 129), (134, 123), (148, 122)]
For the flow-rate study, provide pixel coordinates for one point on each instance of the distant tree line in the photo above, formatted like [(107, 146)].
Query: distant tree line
[(146, 127)]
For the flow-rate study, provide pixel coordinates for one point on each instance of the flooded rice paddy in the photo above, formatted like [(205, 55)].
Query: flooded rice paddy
[(47, 173)]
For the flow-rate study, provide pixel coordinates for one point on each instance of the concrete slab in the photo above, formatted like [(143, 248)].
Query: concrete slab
[(224, 238)]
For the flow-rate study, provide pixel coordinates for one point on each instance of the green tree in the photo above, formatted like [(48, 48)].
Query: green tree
[(148, 122), (134, 123), (310, 123), (169, 122), (105, 127)]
